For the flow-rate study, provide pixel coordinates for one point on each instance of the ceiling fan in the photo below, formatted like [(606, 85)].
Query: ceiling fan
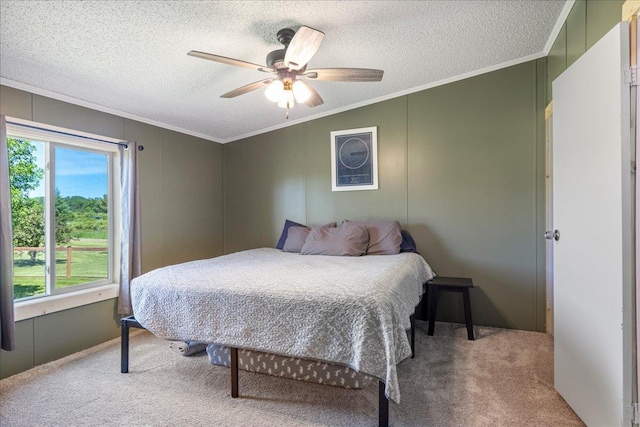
[(289, 65)]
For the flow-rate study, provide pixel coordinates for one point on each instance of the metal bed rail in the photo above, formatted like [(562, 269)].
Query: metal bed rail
[(130, 322)]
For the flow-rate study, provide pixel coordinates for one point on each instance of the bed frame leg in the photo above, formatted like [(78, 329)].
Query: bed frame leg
[(413, 335), (383, 406), (124, 347), (125, 324), (234, 372)]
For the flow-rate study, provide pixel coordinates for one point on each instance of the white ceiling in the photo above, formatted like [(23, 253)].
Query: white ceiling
[(130, 57)]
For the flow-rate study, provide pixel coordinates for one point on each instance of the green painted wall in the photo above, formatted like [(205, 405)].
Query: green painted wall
[(390, 200), (45, 338), (256, 200), (472, 190), (458, 166), (181, 197), (557, 59), (587, 22), (601, 16), (576, 30)]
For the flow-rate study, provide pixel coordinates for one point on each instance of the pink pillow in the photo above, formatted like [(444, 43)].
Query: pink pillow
[(385, 237), (297, 235), (350, 241)]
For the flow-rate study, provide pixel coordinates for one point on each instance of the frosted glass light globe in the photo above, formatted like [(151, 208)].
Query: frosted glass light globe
[(274, 91), (301, 91)]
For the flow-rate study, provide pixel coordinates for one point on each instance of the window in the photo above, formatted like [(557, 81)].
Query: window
[(62, 206)]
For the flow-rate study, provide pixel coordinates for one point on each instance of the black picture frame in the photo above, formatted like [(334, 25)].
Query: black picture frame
[(354, 159)]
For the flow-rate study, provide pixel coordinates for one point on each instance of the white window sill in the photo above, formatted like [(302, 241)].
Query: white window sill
[(52, 303)]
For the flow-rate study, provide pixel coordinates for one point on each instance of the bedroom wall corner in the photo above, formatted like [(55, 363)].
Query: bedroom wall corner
[(472, 191), (191, 198), (181, 196), (264, 180)]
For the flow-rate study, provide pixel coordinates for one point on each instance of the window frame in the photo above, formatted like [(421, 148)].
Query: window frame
[(50, 224), (56, 298)]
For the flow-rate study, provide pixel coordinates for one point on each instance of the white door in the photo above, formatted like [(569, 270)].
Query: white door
[(591, 211)]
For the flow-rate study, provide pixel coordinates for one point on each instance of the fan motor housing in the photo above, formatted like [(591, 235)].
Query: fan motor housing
[(275, 59), (285, 35)]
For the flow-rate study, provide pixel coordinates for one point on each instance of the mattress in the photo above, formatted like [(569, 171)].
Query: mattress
[(353, 311), (314, 371)]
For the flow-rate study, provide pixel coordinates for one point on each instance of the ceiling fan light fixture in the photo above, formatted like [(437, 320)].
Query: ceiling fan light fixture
[(301, 91), (286, 99), (274, 91), (287, 65)]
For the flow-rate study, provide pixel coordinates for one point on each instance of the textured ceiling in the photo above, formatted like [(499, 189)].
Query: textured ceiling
[(130, 57)]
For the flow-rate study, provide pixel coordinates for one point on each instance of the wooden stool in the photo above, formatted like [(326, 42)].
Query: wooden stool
[(450, 284)]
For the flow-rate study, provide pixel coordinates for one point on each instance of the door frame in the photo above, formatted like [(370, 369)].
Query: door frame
[(548, 135)]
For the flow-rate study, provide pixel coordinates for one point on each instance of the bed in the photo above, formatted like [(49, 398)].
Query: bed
[(351, 311)]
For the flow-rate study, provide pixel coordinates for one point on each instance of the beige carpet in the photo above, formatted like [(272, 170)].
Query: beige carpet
[(504, 378)]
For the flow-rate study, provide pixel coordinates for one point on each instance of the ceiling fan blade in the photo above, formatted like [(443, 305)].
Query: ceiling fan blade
[(247, 88), (314, 99), (230, 61), (345, 74), (302, 47)]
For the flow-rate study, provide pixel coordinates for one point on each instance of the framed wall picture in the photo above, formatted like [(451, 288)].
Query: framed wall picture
[(354, 159)]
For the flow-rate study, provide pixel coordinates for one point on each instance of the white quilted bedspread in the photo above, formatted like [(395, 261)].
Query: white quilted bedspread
[(348, 310)]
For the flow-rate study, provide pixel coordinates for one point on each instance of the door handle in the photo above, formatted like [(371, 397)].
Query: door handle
[(555, 235)]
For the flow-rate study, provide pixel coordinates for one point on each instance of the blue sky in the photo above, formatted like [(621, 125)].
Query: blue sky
[(78, 173)]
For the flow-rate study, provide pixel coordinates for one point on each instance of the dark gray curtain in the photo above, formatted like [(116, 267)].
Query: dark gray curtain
[(130, 263), (7, 323)]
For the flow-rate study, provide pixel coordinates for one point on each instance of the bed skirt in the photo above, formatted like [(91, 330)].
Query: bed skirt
[(290, 367)]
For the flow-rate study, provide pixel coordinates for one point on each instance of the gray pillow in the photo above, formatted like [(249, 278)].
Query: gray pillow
[(297, 235), (385, 237), (351, 241)]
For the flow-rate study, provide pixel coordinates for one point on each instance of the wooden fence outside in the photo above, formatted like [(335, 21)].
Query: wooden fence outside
[(68, 249)]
